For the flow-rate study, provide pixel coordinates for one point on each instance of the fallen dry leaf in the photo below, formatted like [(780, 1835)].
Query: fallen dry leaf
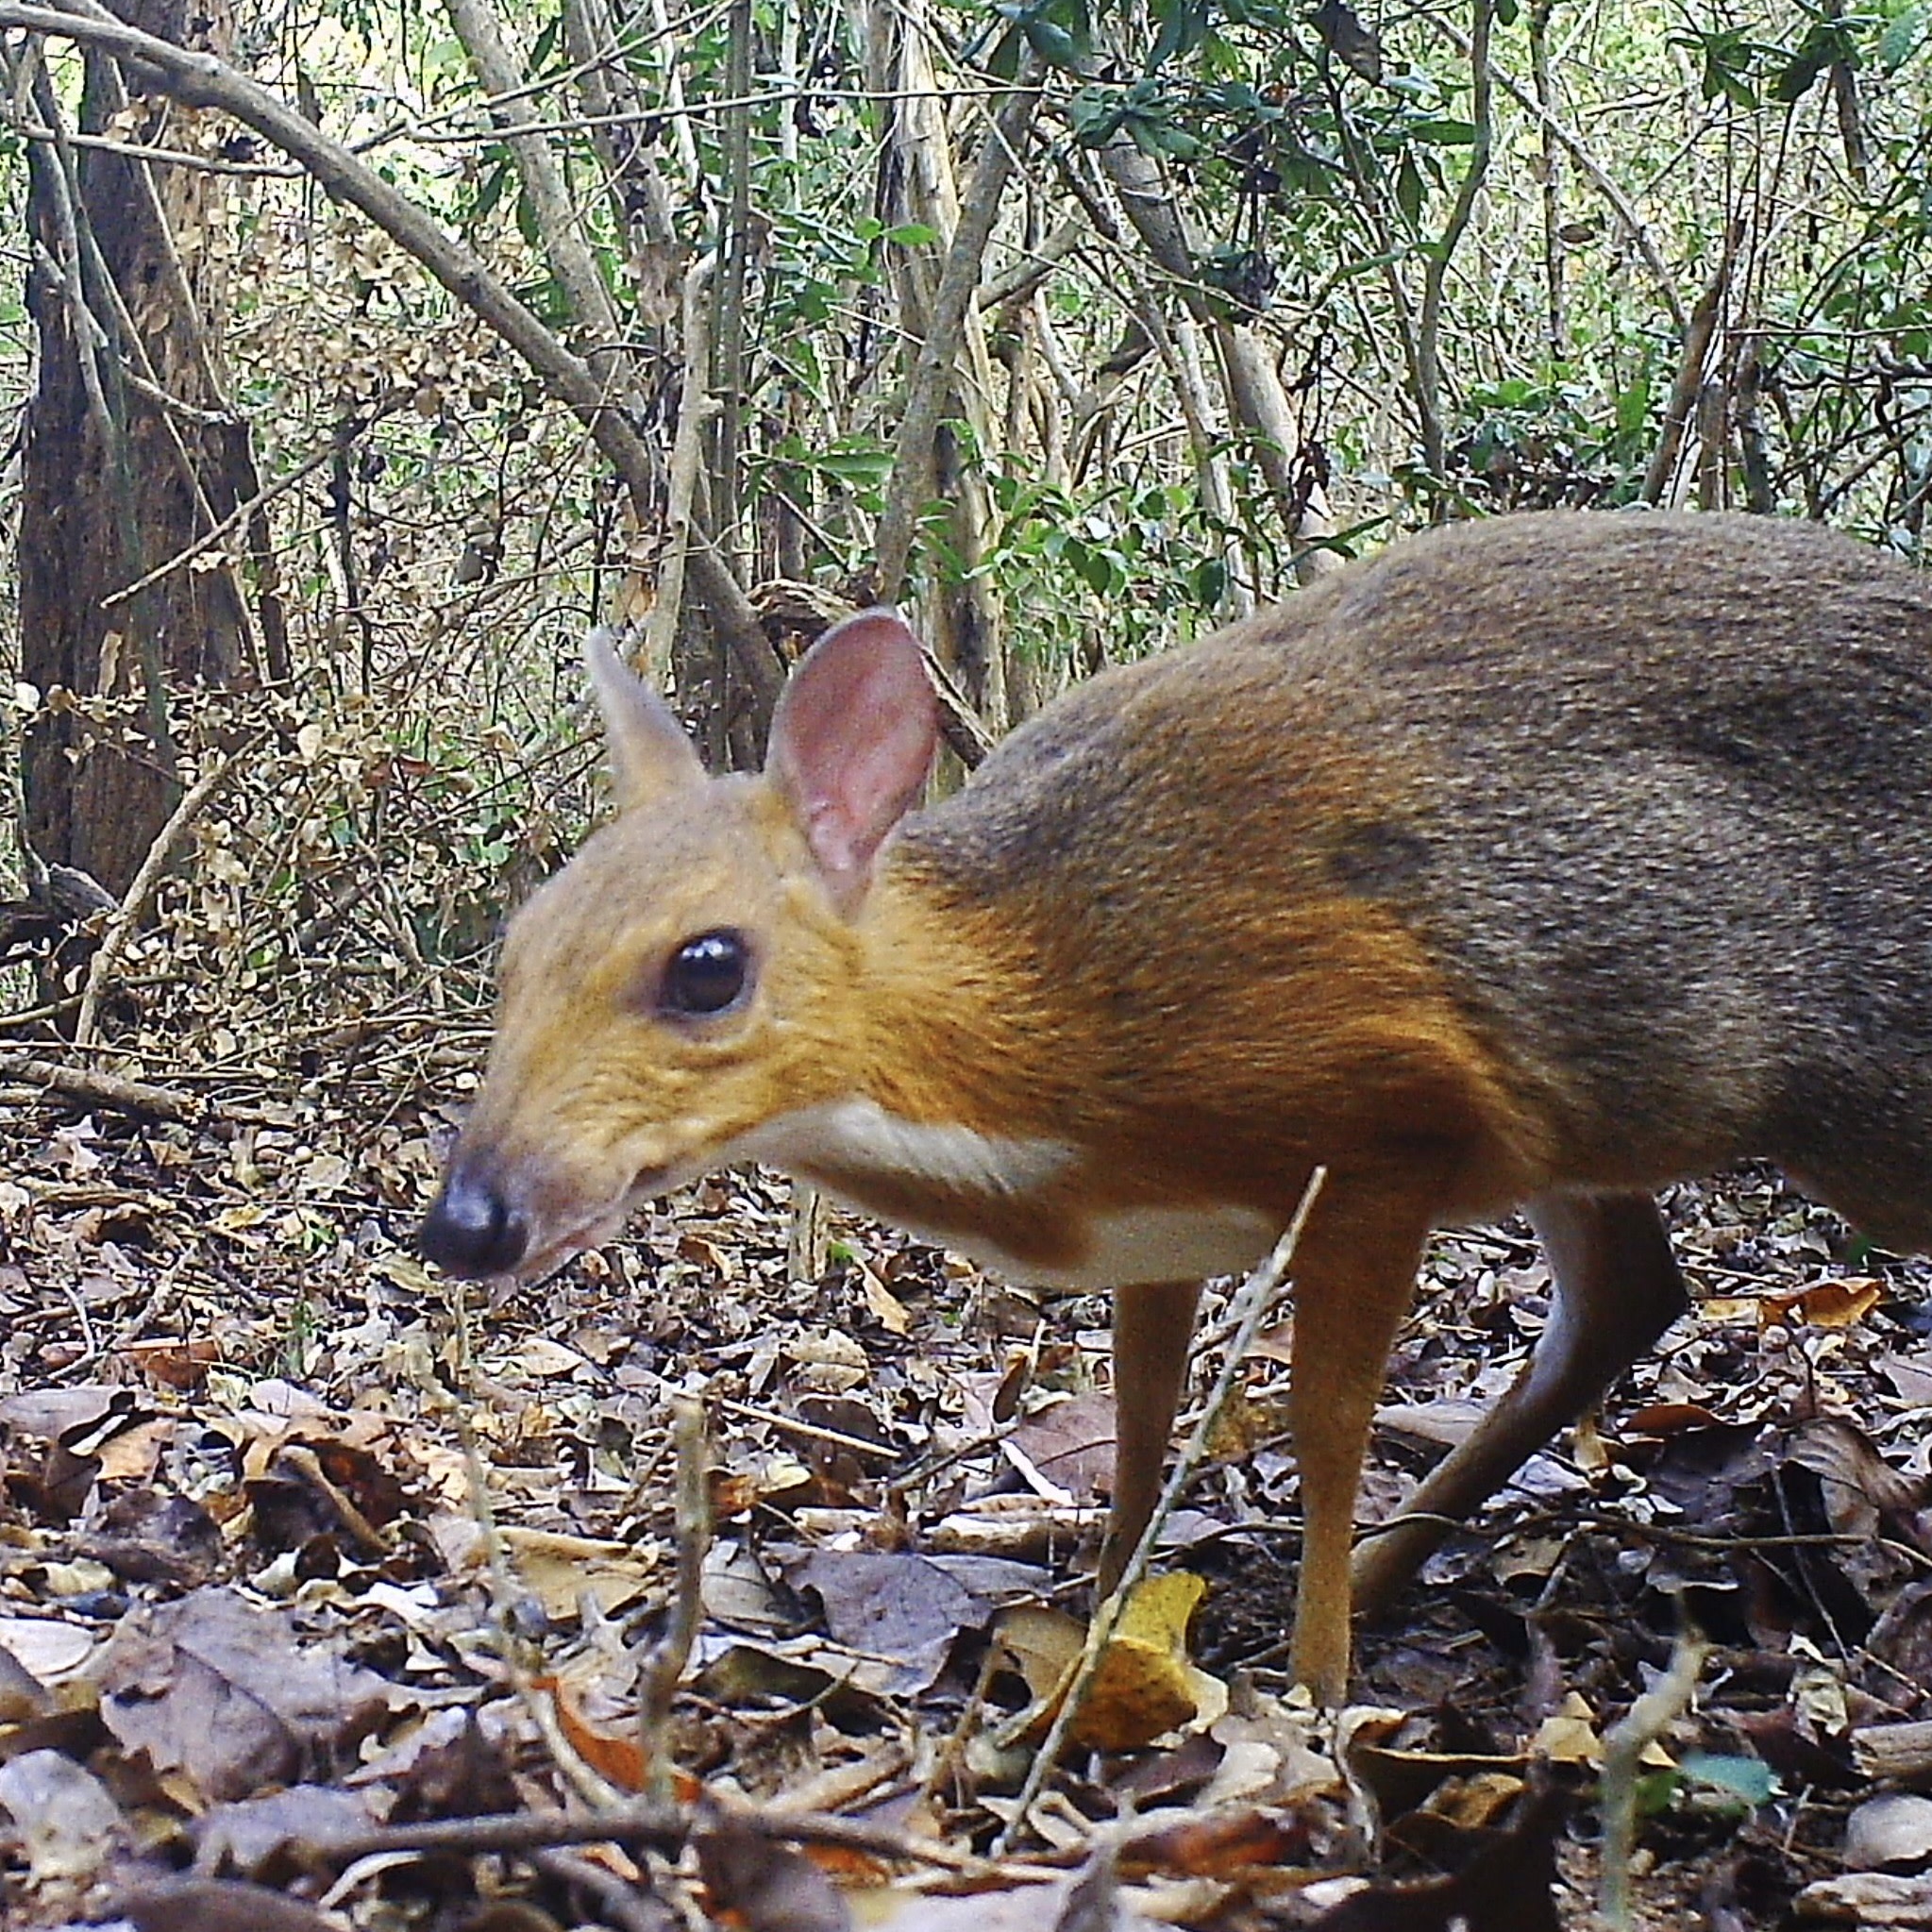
[(1216, 1845), (763, 1886), (561, 1571), (225, 1692), (1837, 1304), (1144, 1685), (46, 1647), (217, 1905), (1890, 1833), (68, 1823)]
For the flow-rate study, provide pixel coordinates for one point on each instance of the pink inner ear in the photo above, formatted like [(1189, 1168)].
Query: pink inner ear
[(853, 739)]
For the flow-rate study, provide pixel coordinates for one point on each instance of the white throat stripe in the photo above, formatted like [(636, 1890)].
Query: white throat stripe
[(860, 1136)]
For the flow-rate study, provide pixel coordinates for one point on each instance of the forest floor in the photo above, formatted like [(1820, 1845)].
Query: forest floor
[(324, 1605)]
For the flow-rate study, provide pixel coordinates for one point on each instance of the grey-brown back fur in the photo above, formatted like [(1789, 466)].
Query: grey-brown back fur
[(1653, 793)]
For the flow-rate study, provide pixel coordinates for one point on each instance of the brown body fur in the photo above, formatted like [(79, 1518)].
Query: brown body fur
[(1540, 860), (1589, 850)]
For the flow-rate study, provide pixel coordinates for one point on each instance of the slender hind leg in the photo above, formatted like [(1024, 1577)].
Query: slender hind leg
[(1617, 1290)]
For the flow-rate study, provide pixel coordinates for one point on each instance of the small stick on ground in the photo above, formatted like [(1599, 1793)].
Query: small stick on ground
[(1659, 1707), (104, 1089), (658, 1678), (811, 1432), (637, 1824), (127, 916), (308, 1465), (1255, 1303), (629, 1907)]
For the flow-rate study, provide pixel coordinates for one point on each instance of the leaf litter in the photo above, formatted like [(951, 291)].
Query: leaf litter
[(327, 1602)]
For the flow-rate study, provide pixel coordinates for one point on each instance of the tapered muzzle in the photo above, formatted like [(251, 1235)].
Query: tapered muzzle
[(471, 1228)]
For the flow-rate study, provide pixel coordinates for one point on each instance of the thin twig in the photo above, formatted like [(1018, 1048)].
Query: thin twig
[(167, 157), (308, 1465), (1620, 206), (925, 399), (506, 1588), (238, 517), (130, 1329), (172, 405), (694, 411), (811, 1432), (1437, 260), (951, 1754), (545, 194), (126, 916), (108, 1090), (629, 1907), (202, 80), (637, 1823), (1659, 1707), (658, 1680)]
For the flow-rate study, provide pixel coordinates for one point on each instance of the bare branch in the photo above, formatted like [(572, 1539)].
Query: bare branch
[(925, 402), (481, 34), (122, 924), (204, 81)]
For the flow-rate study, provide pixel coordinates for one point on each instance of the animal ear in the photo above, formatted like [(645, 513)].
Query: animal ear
[(853, 740), (651, 756)]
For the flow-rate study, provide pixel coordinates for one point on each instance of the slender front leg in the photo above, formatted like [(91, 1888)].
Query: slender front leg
[(1152, 1325), (1616, 1290), (1354, 1278)]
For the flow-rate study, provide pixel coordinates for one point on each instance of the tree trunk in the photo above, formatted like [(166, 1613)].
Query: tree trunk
[(131, 454)]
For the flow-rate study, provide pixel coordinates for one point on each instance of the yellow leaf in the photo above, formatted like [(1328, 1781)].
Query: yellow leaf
[(1824, 1305), (883, 1305), (562, 1570), (1569, 1736), (1144, 1685)]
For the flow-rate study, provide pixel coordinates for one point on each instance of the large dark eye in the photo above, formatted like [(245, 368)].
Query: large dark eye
[(706, 974)]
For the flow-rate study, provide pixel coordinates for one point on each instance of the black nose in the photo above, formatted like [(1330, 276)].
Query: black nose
[(470, 1229)]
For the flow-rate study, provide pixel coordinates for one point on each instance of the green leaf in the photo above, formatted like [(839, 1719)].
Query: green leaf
[(1409, 190), (1633, 407), (1003, 63), (1239, 97), (1169, 137), (1442, 133), (1053, 45), (911, 235), (1733, 86), (1184, 24), (1727, 59), (1900, 40), (491, 190), (1100, 570), (861, 466), (1749, 1778), (1096, 117), (1656, 1790), (1824, 45)]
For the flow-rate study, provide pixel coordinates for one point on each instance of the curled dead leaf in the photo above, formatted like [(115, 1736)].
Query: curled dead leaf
[(1144, 1685)]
